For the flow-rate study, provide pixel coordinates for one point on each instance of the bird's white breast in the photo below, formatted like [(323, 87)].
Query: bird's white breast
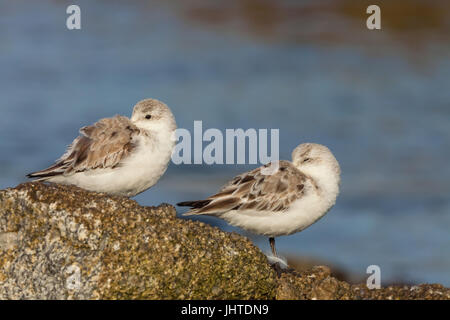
[(141, 170), (300, 215)]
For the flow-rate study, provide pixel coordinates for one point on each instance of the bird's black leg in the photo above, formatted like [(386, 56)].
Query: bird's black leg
[(278, 269), (272, 246)]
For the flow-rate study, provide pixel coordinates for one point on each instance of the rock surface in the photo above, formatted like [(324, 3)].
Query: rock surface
[(318, 284), (61, 242)]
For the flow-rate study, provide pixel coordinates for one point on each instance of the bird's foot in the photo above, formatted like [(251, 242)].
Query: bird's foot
[(279, 265), (277, 260)]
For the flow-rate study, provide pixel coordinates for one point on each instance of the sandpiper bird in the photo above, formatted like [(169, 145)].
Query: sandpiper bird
[(286, 201), (118, 155)]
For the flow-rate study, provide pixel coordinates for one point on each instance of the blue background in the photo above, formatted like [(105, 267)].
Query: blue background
[(379, 99)]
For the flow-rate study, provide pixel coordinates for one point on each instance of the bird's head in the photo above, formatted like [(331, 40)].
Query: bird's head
[(152, 114), (315, 159)]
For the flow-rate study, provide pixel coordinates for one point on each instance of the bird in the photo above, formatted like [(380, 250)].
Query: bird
[(284, 200), (118, 155)]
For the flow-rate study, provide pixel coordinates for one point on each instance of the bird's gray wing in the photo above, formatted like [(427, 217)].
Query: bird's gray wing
[(256, 191), (101, 145)]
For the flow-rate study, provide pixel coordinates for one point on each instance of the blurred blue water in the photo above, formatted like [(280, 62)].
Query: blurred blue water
[(386, 120)]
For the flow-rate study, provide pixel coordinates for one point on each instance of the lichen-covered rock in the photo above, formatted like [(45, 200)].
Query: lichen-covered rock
[(61, 242), (318, 284)]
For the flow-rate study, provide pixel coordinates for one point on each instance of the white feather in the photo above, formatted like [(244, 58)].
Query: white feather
[(141, 170)]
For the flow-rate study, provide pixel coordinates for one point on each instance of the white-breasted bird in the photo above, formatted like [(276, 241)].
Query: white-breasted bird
[(286, 201), (118, 155)]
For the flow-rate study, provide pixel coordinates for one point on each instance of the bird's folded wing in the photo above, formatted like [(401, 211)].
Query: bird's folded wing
[(256, 191), (102, 145)]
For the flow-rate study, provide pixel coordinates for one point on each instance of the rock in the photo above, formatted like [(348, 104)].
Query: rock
[(317, 284), (301, 264), (8, 240), (62, 242)]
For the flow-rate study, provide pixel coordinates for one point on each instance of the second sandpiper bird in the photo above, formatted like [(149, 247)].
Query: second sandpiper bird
[(286, 201)]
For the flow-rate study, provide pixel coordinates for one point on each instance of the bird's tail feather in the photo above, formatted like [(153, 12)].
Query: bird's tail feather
[(46, 173), (195, 205)]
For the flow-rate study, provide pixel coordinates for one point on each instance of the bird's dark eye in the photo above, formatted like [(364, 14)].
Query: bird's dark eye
[(148, 116), (306, 160)]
